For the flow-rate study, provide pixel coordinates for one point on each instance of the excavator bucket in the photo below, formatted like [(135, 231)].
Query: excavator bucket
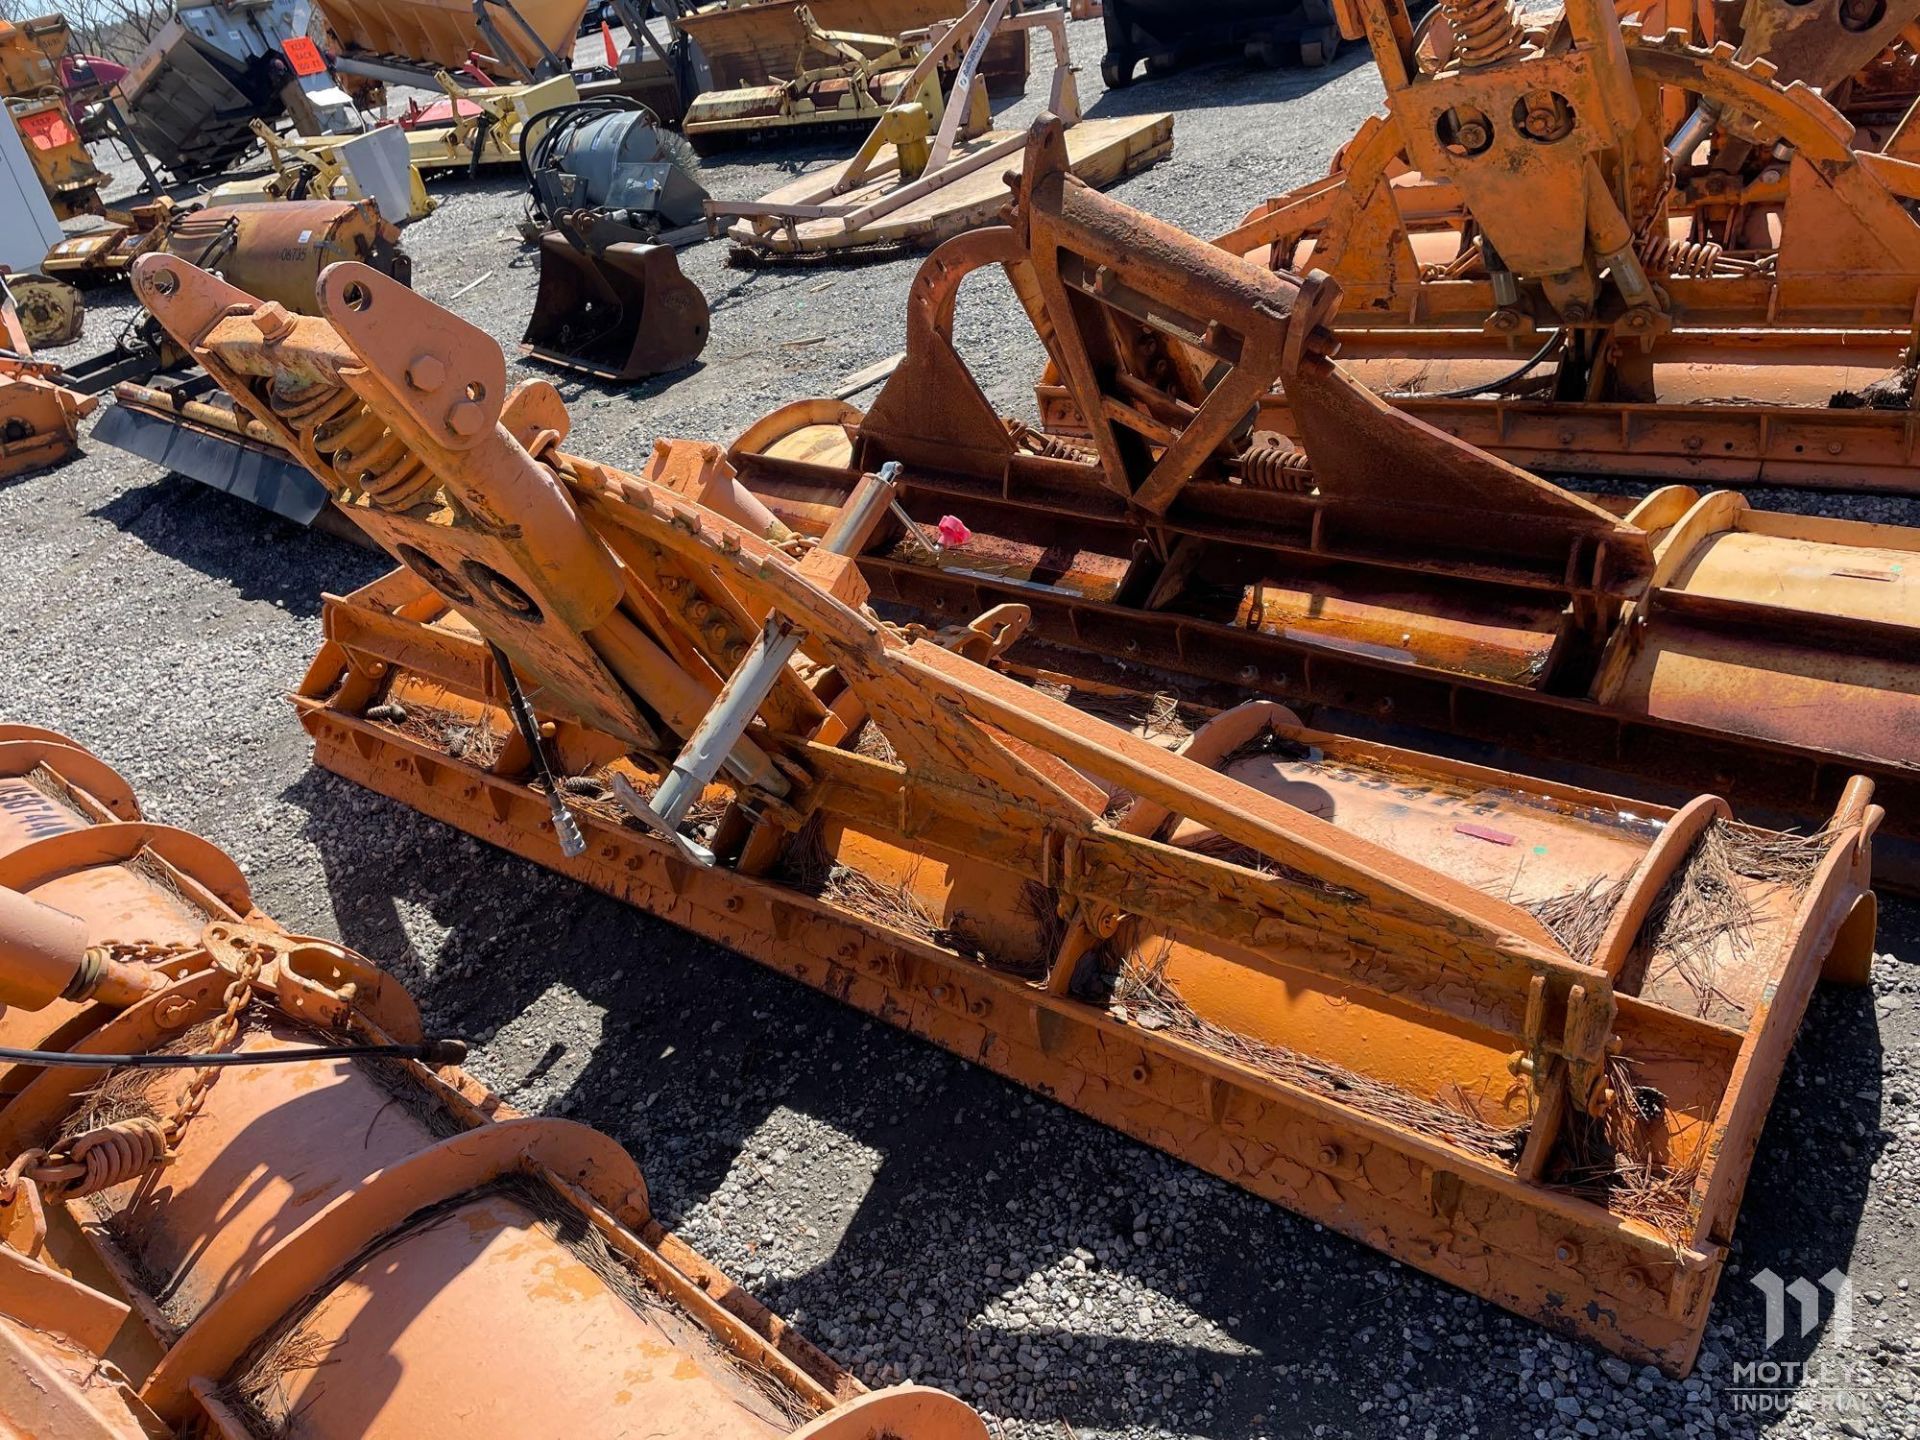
[(621, 311), (1518, 1034), (350, 1229)]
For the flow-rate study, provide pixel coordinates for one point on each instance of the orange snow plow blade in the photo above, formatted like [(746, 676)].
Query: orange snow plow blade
[(1533, 1061), (340, 1244)]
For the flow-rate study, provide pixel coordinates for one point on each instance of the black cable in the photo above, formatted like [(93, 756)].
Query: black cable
[(1467, 392), (433, 1052)]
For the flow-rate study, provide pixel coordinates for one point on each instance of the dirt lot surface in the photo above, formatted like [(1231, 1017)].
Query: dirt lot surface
[(918, 1217)]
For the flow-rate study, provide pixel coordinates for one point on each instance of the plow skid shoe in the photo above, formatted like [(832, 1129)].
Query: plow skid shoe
[(621, 312), (1518, 1034), (337, 1243)]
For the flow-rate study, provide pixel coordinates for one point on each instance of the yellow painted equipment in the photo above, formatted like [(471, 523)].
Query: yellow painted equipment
[(1456, 1013), (491, 135), (39, 417), (445, 34), (279, 249), (312, 169), (30, 52), (337, 1234), (51, 312), (928, 169), (862, 76), (66, 170)]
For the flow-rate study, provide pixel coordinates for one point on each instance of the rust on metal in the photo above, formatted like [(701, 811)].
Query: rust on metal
[(1479, 1021), (39, 417), (1395, 576), (276, 251), (342, 1247), (1572, 241)]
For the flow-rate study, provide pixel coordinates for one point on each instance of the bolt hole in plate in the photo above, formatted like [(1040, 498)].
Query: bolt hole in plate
[(356, 297), (502, 591), (1464, 131), (476, 392), (1543, 117), (1860, 16), (435, 574)]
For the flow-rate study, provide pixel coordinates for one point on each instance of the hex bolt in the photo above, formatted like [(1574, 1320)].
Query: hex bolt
[(426, 374), (272, 320), (466, 418)]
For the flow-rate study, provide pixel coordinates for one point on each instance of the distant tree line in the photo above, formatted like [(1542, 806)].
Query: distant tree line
[(116, 29)]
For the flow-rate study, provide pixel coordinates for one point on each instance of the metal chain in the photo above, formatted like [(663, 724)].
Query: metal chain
[(122, 1150), (226, 1030)]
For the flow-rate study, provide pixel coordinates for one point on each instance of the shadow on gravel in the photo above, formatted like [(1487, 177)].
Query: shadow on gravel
[(1225, 82), (1258, 1319), (261, 555)]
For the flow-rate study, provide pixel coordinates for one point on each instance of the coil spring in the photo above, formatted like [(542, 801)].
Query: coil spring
[(362, 452), (1688, 259), (115, 1154), (1273, 467), (1051, 447), (1483, 30)]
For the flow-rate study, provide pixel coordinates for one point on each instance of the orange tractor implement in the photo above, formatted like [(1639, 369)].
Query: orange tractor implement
[(244, 1194), (1594, 250), (1364, 565), (39, 417), (1518, 1034)]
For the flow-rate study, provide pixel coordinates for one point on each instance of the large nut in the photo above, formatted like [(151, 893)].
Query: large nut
[(426, 373), (466, 418)]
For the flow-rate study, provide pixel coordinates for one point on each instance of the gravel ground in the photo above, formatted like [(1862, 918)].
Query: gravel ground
[(918, 1217)]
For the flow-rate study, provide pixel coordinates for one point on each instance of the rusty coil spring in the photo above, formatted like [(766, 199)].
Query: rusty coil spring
[(1484, 31), (123, 1150), (1050, 447), (1688, 259), (1274, 467), (363, 453)]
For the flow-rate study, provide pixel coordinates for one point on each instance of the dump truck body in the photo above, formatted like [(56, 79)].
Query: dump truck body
[(1313, 964), (345, 1244)]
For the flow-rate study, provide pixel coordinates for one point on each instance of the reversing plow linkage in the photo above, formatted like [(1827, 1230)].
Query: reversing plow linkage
[(1533, 1061), (342, 1239)]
